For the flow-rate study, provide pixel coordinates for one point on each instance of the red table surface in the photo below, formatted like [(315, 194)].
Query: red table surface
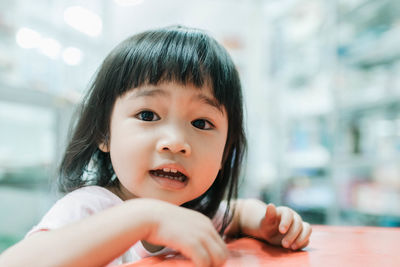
[(329, 246)]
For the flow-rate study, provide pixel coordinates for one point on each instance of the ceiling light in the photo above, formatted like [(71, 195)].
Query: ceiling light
[(72, 56), (128, 2), (83, 20), (27, 38), (50, 47)]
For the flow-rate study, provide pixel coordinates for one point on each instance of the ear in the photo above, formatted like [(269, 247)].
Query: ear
[(104, 147)]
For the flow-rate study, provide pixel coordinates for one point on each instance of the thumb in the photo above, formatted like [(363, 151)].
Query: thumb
[(270, 220)]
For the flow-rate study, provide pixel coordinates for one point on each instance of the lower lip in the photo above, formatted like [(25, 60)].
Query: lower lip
[(169, 183)]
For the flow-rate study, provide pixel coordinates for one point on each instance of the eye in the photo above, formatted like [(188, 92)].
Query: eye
[(203, 124), (147, 115)]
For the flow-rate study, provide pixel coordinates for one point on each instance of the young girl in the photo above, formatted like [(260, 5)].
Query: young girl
[(153, 163)]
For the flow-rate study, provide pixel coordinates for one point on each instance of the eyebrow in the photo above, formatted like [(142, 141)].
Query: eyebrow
[(158, 92), (209, 101), (148, 92)]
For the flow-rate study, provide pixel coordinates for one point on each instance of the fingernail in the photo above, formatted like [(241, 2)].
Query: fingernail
[(294, 247), (285, 243)]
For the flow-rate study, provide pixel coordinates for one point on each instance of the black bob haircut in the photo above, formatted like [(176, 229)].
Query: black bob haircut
[(172, 54)]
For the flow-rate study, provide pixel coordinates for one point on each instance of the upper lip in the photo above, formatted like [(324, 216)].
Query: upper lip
[(175, 166)]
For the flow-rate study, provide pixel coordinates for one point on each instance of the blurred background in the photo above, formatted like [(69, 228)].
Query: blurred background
[(321, 80)]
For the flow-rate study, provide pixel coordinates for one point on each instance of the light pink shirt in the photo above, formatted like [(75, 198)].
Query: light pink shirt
[(89, 200)]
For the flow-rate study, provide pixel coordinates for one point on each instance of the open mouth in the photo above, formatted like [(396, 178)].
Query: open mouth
[(171, 174)]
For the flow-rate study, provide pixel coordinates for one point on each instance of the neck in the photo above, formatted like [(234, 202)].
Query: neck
[(117, 190)]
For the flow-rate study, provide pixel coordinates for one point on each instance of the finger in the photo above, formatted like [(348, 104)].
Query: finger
[(286, 215), (216, 247), (218, 238), (269, 224), (293, 232), (197, 253), (304, 237), (270, 212), (214, 244), (305, 244), (270, 215), (217, 252)]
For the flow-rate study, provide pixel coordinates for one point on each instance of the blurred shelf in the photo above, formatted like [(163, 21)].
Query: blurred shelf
[(374, 57), (36, 97), (357, 7), (363, 161), (359, 111), (310, 197), (381, 51), (377, 213), (7, 240), (307, 104), (313, 215), (312, 158), (313, 175), (27, 182), (381, 103), (24, 206), (25, 177), (358, 217)]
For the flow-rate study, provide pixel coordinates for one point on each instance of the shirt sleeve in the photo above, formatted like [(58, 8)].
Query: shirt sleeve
[(74, 207)]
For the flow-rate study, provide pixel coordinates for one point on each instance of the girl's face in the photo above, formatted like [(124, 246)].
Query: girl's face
[(167, 141)]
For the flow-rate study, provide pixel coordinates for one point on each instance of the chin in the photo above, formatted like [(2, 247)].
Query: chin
[(175, 202)]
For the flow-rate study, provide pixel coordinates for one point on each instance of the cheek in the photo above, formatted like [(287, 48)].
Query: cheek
[(207, 173), (211, 158), (122, 163), (220, 149), (129, 153), (215, 160)]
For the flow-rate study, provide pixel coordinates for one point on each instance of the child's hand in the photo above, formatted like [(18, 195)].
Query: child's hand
[(188, 232), (283, 226)]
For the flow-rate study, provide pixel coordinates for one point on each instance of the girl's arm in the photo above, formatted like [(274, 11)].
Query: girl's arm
[(98, 239), (276, 225)]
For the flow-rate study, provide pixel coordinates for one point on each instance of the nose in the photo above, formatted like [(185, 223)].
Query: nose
[(174, 143)]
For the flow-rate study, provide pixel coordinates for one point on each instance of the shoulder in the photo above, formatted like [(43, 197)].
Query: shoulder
[(88, 199), (77, 205), (94, 196), (91, 199)]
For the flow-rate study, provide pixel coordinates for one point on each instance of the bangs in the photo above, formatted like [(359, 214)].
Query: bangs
[(175, 57), (173, 54)]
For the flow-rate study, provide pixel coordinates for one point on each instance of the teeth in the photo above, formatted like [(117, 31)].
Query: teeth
[(170, 170), (181, 179), (170, 173)]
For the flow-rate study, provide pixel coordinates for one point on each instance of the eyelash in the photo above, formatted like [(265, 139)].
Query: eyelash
[(207, 122), (148, 112)]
